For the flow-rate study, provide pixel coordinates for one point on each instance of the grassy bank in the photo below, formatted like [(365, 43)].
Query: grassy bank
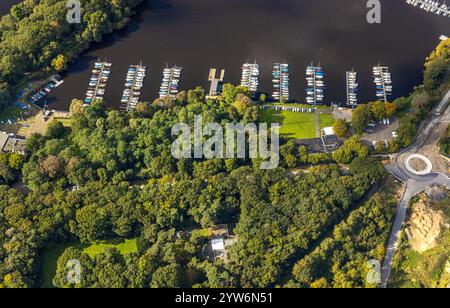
[(297, 125), (49, 256)]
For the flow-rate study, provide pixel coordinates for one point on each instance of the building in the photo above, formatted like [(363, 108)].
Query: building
[(329, 139), (9, 143), (221, 240)]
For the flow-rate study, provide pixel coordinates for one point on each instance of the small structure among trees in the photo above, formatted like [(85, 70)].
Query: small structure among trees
[(221, 240)]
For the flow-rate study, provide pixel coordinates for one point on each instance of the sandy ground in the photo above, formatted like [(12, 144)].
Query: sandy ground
[(37, 123), (342, 113), (425, 227)]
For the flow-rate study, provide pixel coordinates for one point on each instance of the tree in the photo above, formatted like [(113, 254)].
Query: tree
[(341, 128), (167, 277), (352, 148), (378, 110), (55, 129), (97, 25), (361, 118), (59, 63), (52, 166), (16, 161), (91, 223)]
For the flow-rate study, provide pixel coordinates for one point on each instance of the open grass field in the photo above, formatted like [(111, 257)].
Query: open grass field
[(326, 120), (49, 256), (297, 125)]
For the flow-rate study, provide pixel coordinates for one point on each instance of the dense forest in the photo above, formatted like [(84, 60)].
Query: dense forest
[(313, 222), (36, 37), (111, 175)]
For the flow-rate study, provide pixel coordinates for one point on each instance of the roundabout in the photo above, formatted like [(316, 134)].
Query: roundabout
[(418, 165)]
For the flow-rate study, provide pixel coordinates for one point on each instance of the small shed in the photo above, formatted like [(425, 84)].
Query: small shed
[(218, 244)]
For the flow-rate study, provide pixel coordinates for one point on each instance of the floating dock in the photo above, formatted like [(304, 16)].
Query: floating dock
[(98, 81), (431, 6), (280, 80), (133, 86), (315, 84), (352, 88), (383, 82), (250, 76), (170, 84), (216, 82)]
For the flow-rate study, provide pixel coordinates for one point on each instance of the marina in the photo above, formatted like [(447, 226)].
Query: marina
[(39, 96), (250, 77), (98, 81), (315, 84), (133, 87), (383, 82), (280, 80), (435, 7), (352, 88), (171, 81), (151, 38)]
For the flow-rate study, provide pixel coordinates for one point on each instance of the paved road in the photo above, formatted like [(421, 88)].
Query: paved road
[(414, 185)]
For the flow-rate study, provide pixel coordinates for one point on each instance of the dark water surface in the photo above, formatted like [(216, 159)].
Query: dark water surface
[(5, 5), (199, 34)]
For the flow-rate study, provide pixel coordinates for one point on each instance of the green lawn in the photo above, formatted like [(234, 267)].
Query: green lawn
[(326, 120), (296, 125), (49, 256), (124, 246)]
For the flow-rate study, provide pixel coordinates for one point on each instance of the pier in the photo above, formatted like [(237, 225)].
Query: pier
[(133, 86), (170, 83), (316, 84), (250, 77), (216, 83), (280, 76), (431, 6), (97, 84), (383, 82), (352, 88)]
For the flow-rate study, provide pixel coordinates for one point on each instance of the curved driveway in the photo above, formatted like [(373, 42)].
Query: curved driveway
[(414, 184)]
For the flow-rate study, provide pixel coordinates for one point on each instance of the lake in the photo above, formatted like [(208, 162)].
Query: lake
[(200, 34)]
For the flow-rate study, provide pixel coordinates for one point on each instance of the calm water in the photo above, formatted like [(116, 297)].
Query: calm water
[(5, 5), (199, 34)]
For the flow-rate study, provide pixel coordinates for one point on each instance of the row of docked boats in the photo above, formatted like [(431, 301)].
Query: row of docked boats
[(133, 86), (280, 80), (315, 76), (383, 82), (250, 76), (98, 81), (41, 94), (352, 88), (170, 84), (315, 84), (431, 6)]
